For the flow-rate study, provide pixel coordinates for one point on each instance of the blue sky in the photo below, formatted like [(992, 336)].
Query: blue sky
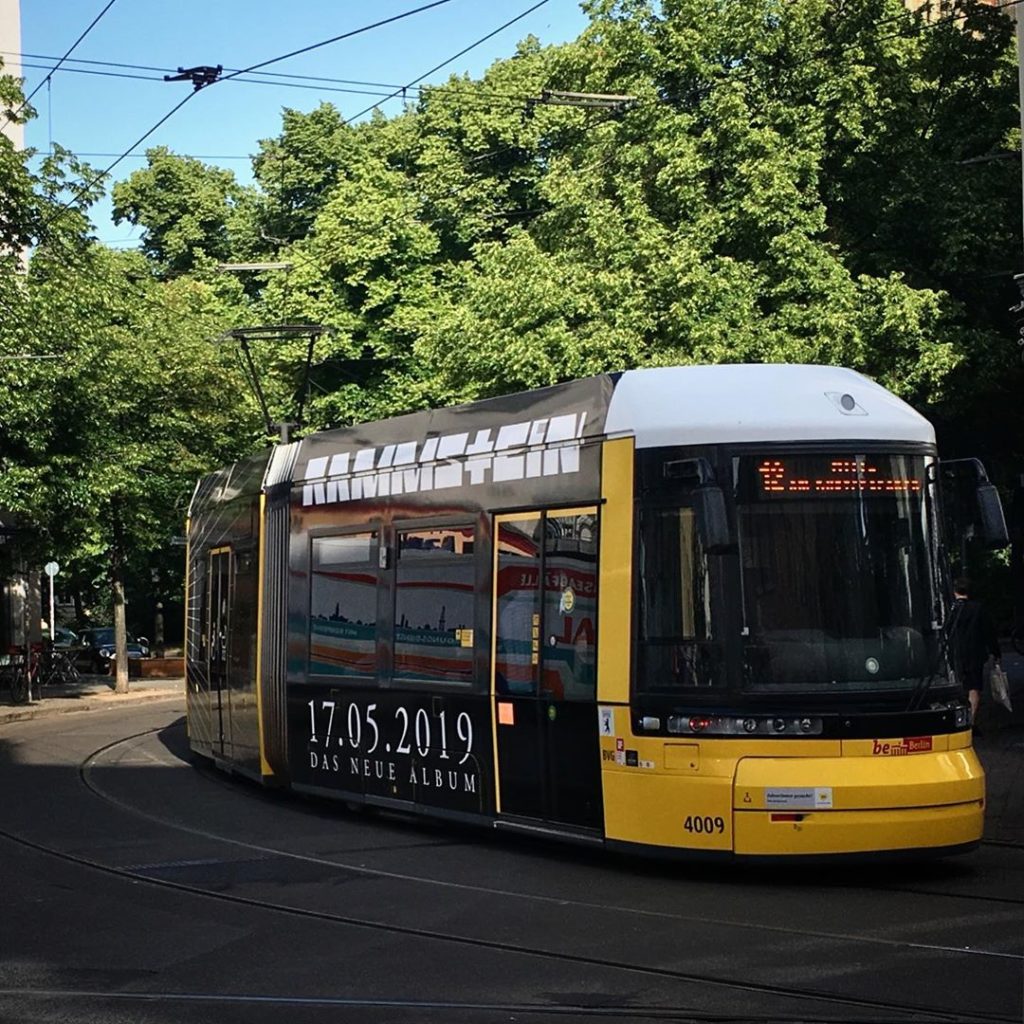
[(105, 115)]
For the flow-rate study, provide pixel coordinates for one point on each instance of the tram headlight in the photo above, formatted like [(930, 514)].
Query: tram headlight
[(698, 723), (750, 725), (779, 724), (806, 725)]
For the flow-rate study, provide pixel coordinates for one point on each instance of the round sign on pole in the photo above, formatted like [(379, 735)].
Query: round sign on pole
[(51, 569)]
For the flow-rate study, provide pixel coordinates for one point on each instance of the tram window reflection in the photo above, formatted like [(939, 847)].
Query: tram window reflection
[(517, 643), (343, 605), (570, 606), (675, 649), (434, 605)]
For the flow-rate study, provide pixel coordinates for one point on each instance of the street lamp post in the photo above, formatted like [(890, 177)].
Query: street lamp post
[(51, 569)]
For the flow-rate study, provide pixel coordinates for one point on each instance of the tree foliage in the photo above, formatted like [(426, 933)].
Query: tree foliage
[(789, 185), (113, 396), (794, 180), (184, 206)]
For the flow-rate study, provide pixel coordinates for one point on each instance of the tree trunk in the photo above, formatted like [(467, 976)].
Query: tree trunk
[(120, 637)]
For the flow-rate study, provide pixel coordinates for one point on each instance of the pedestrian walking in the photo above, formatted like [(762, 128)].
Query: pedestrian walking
[(972, 640)]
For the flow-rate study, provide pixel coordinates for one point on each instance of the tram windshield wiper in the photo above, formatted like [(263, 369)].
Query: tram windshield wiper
[(924, 684)]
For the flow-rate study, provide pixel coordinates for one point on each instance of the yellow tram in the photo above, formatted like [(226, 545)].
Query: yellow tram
[(694, 609)]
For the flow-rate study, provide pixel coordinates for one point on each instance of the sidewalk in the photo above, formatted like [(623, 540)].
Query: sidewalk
[(90, 693), (999, 743)]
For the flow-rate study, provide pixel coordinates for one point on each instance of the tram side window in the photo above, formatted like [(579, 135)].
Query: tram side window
[(569, 668), (343, 606), (675, 643), (434, 605), (199, 610)]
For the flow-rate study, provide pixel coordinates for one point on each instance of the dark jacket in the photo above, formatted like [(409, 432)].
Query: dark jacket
[(972, 638)]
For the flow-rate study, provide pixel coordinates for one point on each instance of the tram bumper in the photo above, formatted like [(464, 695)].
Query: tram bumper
[(858, 804)]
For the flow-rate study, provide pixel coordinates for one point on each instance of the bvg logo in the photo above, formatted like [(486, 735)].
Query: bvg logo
[(910, 745)]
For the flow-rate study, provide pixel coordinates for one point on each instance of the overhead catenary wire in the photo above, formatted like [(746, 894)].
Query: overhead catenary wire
[(164, 70), (24, 103), (385, 90), (82, 189), (283, 84), (453, 57), (479, 96), (96, 178), (334, 39), (436, 3)]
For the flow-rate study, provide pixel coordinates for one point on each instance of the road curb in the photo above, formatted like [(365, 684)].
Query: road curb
[(64, 706)]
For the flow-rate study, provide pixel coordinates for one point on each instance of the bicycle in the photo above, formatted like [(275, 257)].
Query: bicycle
[(17, 675), (56, 668)]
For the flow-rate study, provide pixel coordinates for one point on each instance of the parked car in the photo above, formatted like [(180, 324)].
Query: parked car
[(97, 651), (64, 637)]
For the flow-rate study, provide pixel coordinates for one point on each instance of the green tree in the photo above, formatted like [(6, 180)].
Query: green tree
[(143, 403), (113, 398), (184, 207), (296, 170)]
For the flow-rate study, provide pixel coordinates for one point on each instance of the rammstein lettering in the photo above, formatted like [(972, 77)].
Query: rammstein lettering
[(515, 451)]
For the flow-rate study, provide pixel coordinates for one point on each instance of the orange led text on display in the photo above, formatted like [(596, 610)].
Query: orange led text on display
[(844, 476)]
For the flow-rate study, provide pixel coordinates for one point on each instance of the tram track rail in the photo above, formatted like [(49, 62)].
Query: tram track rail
[(909, 1011), (217, 776), (591, 1010), (912, 1013)]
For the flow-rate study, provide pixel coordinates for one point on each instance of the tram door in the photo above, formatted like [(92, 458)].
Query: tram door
[(545, 667), (219, 611)]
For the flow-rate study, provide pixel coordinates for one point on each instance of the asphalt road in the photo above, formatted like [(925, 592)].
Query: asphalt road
[(139, 887)]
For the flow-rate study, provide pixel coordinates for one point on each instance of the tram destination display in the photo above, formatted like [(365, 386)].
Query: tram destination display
[(803, 476)]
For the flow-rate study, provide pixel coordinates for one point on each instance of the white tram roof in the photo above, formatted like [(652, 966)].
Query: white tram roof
[(737, 403)]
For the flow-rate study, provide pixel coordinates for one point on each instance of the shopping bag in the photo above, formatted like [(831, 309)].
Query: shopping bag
[(1000, 687)]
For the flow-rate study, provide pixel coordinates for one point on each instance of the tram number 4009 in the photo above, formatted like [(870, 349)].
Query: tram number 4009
[(704, 824)]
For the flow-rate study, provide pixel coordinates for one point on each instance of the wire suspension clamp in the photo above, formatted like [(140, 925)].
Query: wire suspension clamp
[(199, 76)]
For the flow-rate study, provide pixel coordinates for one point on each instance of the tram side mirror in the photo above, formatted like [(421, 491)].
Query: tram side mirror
[(713, 518), (992, 529)]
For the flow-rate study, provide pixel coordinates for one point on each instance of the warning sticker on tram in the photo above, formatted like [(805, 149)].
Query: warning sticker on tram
[(795, 797)]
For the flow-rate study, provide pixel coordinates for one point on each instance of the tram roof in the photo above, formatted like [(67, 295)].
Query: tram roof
[(749, 403), (658, 407)]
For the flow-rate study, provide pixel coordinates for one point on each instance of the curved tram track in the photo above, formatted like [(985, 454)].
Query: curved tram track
[(626, 918)]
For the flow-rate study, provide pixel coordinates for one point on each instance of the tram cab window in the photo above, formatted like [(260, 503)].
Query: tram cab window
[(676, 649), (435, 583), (343, 605), (835, 571)]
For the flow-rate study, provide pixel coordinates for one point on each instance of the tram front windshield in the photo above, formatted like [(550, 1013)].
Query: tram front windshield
[(835, 573), (830, 588)]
